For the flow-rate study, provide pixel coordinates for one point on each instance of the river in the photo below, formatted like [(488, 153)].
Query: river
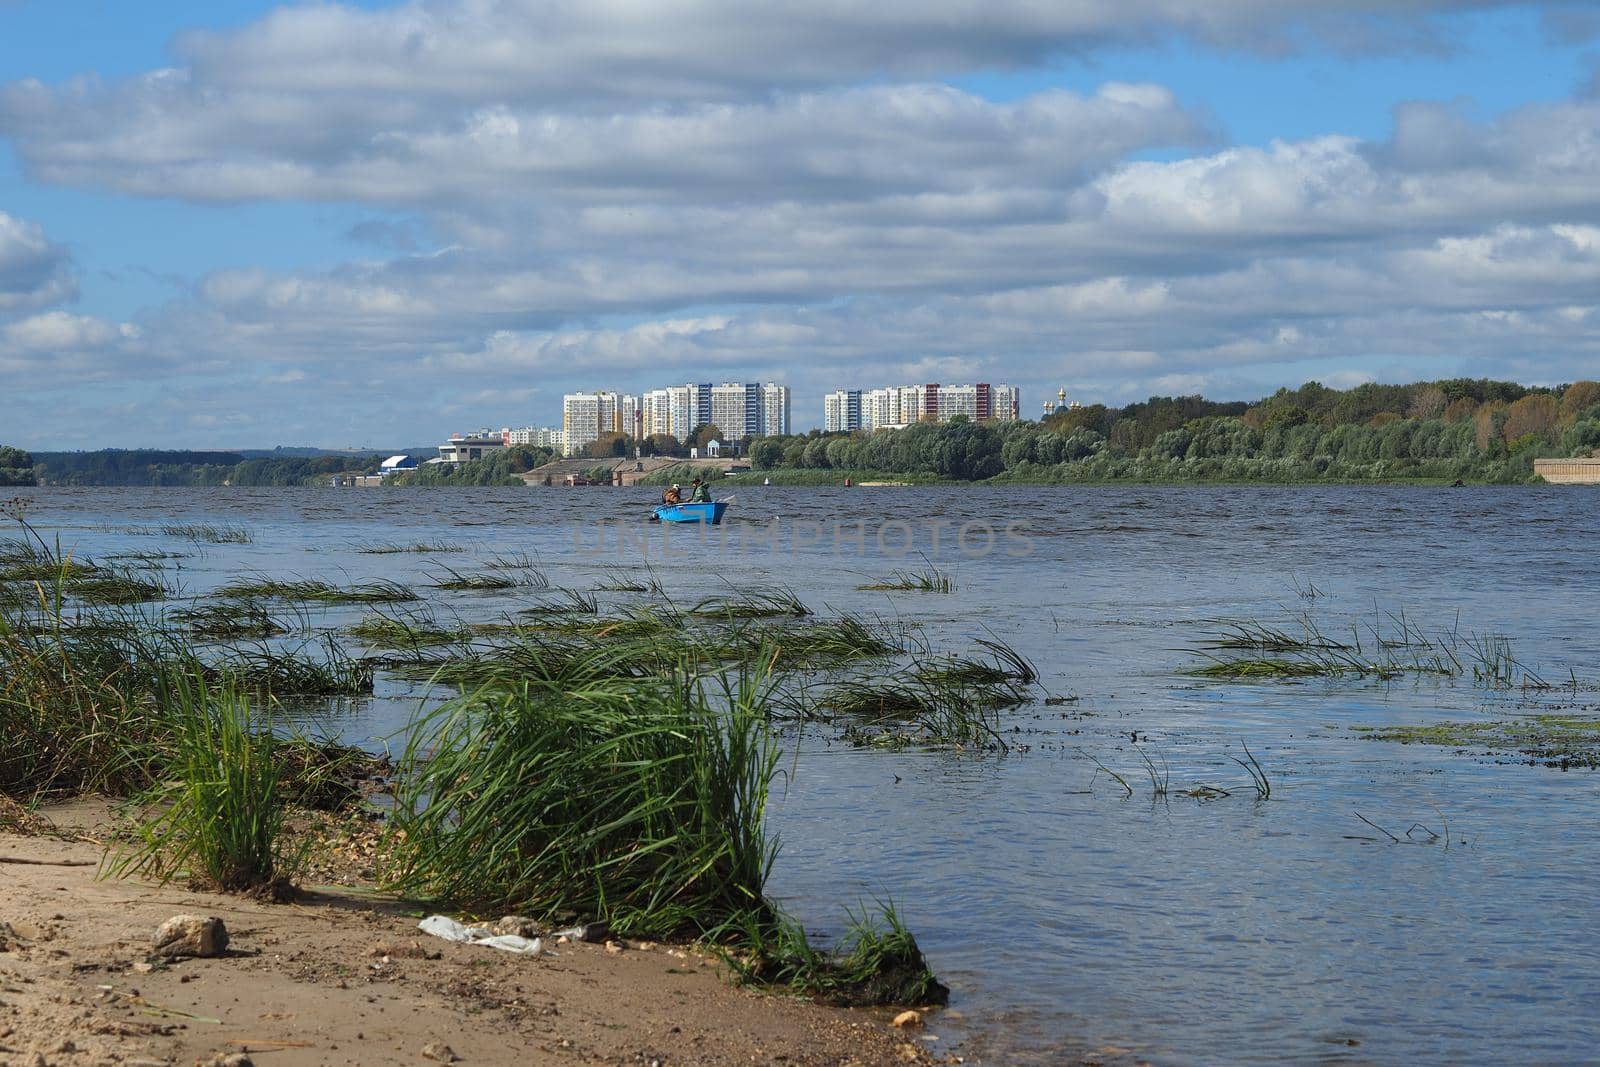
[(1066, 915)]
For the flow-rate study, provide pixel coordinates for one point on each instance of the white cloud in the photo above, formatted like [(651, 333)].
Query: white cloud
[(34, 272), (613, 192), (609, 50)]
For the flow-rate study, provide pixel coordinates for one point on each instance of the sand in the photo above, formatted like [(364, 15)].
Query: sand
[(342, 976)]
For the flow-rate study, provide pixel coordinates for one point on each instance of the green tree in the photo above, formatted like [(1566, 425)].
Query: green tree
[(16, 467)]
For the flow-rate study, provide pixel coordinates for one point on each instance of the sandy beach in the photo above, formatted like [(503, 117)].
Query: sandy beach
[(342, 976)]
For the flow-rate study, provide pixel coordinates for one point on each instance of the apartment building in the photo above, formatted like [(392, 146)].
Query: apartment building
[(539, 436), (585, 416), (896, 406), (738, 409), (774, 410), (841, 411)]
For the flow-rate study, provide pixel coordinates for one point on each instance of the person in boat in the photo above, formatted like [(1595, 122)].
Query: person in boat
[(673, 495), (700, 493)]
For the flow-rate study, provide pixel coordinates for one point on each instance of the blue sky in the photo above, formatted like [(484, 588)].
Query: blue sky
[(247, 224)]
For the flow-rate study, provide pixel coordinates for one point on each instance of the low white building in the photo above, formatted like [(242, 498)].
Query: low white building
[(466, 448), (396, 464)]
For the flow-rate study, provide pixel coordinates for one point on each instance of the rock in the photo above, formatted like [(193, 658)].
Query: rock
[(516, 926), (228, 1059), (10, 940), (191, 935), (908, 1020), (613, 948), (413, 950), (439, 1051)]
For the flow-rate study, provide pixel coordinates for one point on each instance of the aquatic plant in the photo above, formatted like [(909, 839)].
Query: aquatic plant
[(756, 604), (624, 580), (390, 548), (401, 632), (216, 535), (273, 672), (241, 621), (1552, 739), (454, 579), (878, 961), (1258, 775), (639, 801), (264, 588), (929, 712), (1388, 646), (519, 561), (929, 579), (847, 637), (220, 814), (565, 602)]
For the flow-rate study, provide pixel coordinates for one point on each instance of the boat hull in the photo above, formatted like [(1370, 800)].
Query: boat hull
[(708, 513)]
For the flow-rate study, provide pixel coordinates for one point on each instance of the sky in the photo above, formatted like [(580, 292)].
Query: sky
[(239, 224)]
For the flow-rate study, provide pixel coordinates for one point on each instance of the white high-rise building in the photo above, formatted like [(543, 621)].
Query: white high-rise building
[(585, 416), (774, 410), (1006, 404), (895, 406), (738, 409), (735, 409), (539, 436), (630, 415), (843, 411)]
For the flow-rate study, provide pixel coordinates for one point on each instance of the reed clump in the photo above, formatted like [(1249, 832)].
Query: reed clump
[(877, 962), (402, 632), (757, 604), (245, 621), (209, 534), (848, 637), (928, 579), (384, 592), (392, 548), (1388, 646), (219, 812), (639, 801), (493, 582)]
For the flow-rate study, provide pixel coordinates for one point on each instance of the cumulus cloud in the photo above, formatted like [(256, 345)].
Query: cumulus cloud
[(166, 135), (566, 195), (34, 271), (55, 347), (606, 50)]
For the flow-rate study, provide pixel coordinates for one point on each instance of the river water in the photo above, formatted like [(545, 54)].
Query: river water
[(1066, 915)]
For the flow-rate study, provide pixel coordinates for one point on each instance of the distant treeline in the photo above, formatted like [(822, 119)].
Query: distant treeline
[(155, 467), (16, 466), (1476, 430)]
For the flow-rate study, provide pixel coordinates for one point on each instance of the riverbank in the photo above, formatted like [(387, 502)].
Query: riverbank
[(342, 975)]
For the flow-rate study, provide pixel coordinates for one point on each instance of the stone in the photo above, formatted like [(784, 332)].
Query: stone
[(613, 948), (230, 1059), (439, 1052), (191, 935), (10, 940), (516, 926), (908, 1020)]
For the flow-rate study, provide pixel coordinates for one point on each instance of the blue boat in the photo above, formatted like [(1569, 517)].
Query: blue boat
[(710, 512)]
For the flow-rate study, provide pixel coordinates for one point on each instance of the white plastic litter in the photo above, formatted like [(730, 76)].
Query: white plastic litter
[(447, 928)]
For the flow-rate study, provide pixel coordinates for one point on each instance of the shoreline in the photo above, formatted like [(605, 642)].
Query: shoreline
[(343, 976)]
